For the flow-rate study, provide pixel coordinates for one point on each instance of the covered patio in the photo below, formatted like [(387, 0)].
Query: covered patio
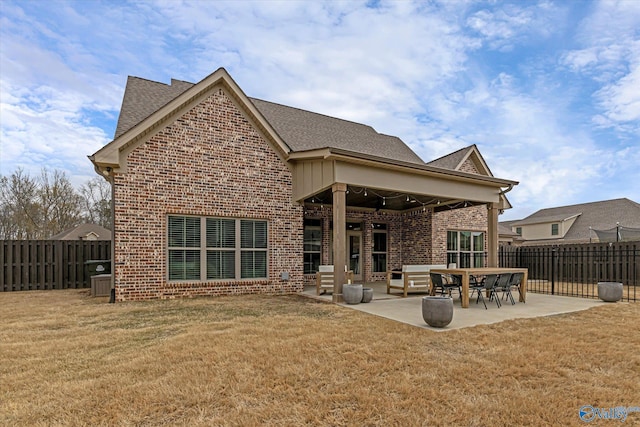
[(408, 310), (418, 197)]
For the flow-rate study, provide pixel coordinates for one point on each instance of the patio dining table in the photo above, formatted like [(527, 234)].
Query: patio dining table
[(466, 273)]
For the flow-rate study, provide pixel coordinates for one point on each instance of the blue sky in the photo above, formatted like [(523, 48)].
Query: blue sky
[(549, 91)]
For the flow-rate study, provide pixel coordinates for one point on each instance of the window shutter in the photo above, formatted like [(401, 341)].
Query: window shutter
[(222, 247), (253, 264), (184, 232), (221, 233), (184, 265), (253, 234), (221, 264)]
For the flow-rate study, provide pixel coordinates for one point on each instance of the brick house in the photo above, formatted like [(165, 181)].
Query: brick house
[(218, 193)]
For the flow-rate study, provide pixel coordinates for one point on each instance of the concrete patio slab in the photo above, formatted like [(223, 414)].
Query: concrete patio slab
[(409, 310)]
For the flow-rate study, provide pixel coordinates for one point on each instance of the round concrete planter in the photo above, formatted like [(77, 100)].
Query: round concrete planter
[(437, 311), (610, 291), (367, 294), (352, 294)]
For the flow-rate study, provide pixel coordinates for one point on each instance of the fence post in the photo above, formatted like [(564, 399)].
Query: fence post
[(554, 252)]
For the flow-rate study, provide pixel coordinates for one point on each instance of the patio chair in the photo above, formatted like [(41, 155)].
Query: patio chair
[(438, 282), (324, 278), (413, 278), (503, 285), (490, 282), (486, 284), (515, 282)]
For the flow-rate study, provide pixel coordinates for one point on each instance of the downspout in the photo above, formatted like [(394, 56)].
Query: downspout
[(108, 175), (502, 193), (112, 298), (492, 231)]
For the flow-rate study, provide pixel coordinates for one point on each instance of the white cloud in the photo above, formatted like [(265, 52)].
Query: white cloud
[(512, 24), (611, 57), (440, 76), (45, 128), (621, 99)]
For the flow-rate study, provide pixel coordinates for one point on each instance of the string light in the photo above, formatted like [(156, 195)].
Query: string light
[(408, 198)]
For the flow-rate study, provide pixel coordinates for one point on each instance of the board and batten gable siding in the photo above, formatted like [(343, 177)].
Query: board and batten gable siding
[(212, 162)]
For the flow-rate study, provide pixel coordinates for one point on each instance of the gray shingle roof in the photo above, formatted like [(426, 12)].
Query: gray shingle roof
[(452, 160), (601, 215), (144, 97), (82, 231), (503, 230), (301, 130), (550, 217)]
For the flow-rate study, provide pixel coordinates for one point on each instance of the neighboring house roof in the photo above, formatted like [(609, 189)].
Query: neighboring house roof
[(602, 215), (84, 232), (541, 219), (503, 230), (508, 236)]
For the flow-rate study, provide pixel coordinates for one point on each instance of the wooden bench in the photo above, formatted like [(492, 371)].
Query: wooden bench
[(415, 278), (324, 278)]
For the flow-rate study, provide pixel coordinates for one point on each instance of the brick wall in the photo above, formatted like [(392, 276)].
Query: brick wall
[(414, 237), (417, 237), (468, 166), (408, 237), (474, 218), (209, 162)]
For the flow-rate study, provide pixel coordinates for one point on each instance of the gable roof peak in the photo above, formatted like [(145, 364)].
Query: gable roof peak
[(456, 159)]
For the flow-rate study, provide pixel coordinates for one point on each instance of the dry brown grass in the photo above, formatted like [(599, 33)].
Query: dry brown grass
[(67, 359), (584, 290)]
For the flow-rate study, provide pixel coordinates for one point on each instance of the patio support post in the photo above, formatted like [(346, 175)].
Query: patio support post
[(492, 235), (339, 239)]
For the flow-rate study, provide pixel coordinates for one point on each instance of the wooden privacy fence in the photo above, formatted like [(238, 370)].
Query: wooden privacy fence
[(49, 264), (575, 270)]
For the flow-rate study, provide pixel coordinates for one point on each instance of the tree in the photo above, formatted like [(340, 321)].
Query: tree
[(96, 201), (20, 211), (60, 203), (38, 208)]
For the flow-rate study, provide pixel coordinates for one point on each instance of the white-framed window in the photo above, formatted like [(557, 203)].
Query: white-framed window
[(312, 245), (555, 229), (379, 252), (465, 248), (206, 248)]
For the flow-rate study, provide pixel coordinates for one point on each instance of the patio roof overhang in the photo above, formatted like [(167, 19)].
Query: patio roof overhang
[(375, 182), (344, 179)]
